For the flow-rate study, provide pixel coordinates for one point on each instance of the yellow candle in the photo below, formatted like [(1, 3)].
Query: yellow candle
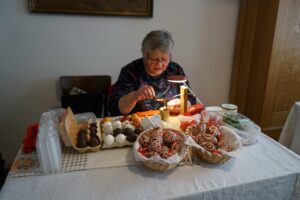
[(183, 99)]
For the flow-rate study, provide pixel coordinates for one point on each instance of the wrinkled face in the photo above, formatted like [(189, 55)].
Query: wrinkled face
[(156, 62)]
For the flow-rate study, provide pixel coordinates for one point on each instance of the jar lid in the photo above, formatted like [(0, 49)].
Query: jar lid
[(213, 108), (229, 106)]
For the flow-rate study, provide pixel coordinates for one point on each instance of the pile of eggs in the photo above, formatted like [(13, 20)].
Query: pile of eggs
[(160, 142), (209, 136), (120, 131), (88, 137)]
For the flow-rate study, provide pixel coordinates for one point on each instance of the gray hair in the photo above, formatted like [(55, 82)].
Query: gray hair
[(158, 40)]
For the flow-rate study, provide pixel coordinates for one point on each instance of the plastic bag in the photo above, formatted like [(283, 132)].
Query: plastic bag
[(243, 126)]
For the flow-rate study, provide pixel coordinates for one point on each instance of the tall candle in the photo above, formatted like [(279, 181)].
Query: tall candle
[(183, 99)]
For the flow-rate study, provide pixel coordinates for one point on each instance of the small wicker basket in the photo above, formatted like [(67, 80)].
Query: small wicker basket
[(161, 165), (209, 157), (230, 137)]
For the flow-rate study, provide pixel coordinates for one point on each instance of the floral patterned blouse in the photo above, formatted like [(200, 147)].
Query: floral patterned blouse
[(133, 76)]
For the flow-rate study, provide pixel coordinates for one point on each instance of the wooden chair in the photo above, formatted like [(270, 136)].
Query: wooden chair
[(95, 99)]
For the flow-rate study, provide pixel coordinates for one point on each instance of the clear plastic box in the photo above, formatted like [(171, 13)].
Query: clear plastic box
[(186, 121), (85, 117), (48, 144)]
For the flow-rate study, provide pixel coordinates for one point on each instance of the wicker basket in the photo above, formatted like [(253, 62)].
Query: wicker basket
[(161, 165), (209, 157), (230, 137)]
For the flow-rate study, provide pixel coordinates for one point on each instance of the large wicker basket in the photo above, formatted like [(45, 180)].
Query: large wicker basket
[(230, 137), (161, 165)]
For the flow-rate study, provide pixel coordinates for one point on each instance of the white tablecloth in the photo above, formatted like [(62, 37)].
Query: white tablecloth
[(290, 134), (266, 170)]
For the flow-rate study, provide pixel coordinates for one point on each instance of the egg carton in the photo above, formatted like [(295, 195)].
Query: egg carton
[(73, 132), (115, 135)]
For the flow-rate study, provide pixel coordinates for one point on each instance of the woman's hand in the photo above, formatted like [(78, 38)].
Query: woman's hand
[(127, 102), (144, 92)]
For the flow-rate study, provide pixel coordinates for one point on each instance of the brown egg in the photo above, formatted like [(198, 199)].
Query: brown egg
[(81, 142), (94, 141)]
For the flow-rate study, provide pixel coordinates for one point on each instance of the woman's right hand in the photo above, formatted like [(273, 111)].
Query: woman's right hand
[(144, 92)]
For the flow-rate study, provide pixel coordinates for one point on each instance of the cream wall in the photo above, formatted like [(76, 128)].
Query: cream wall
[(35, 49)]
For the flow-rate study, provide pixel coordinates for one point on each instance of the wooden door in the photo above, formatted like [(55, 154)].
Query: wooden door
[(266, 70)]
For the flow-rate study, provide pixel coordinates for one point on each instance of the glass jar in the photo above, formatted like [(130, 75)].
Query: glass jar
[(229, 108)]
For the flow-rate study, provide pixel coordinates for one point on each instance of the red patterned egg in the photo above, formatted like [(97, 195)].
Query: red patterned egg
[(169, 137)]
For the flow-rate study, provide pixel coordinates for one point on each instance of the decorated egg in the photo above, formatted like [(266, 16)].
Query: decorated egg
[(117, 124), (126, 117), (151, 154), (200, 138), (124, 123), (138, 130), (106, 119), (209, 146), (169, 137), (109, 139), (154, 145), (164, 152), (157, 133), (129, 126), (108, 130), (106, 124), (94, 141), (121, 138), (144, 140), (117, 131), (131, 137)]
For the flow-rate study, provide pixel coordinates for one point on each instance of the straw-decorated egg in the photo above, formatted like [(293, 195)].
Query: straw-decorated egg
[(169, 137), (164, 152), (209, 146), (144, 140)]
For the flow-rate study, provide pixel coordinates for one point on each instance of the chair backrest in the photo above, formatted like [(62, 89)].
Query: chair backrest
[(97, 88), (91, 84)]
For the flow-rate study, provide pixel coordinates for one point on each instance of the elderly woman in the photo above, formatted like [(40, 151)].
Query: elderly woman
[(145, 78)]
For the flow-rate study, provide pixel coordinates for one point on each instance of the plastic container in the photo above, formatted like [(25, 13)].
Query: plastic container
[(243, 126), (212, 114), (48, 144), (186, 121), (85, 117)]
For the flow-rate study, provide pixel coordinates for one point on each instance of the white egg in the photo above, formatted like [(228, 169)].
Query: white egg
[(109, 139), (117, 124), (106, 124), (121, 138), (108, 130)]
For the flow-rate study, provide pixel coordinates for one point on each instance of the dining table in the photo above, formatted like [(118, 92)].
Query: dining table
[(290, 134), (264, 170)]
